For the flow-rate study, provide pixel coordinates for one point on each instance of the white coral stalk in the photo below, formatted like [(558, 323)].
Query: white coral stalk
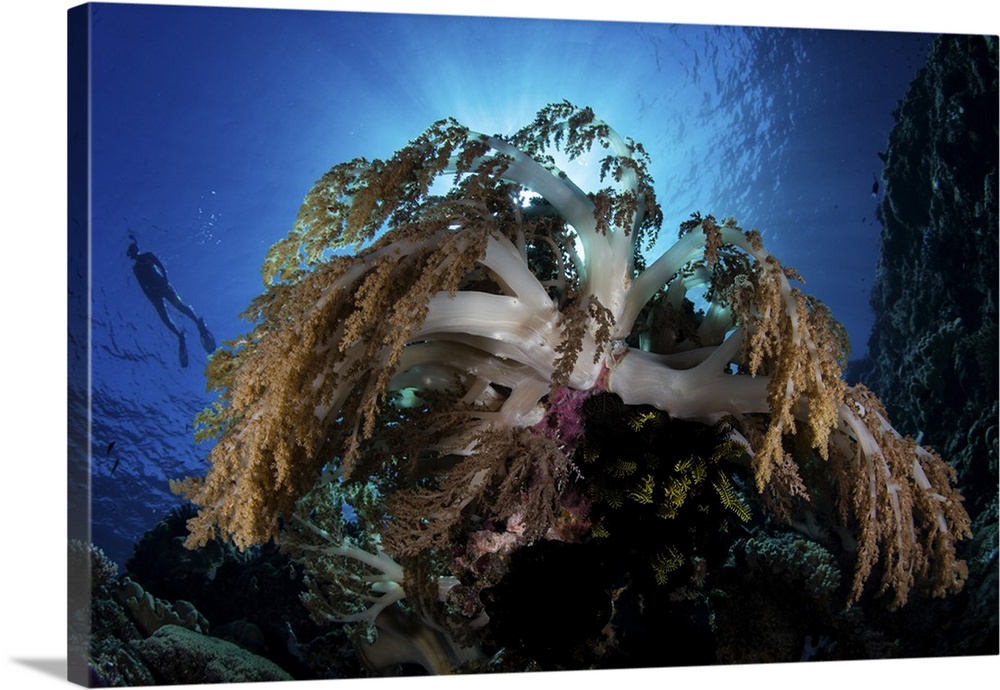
[(381, 586)]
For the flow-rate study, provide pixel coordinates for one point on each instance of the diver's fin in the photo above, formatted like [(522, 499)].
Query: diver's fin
[(207, 341), (182, 351)]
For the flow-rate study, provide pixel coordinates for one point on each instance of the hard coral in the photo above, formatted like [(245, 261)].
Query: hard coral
[(435, 361)]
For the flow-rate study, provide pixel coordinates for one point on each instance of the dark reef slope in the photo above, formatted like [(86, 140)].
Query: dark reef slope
[(933, 350)]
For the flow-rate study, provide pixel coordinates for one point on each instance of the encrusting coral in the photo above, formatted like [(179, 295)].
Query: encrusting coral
[(442, 346)]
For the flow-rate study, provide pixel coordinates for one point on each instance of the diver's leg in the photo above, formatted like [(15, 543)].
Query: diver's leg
[(207, 339), (161, 311), (175, 300), (182, 353)]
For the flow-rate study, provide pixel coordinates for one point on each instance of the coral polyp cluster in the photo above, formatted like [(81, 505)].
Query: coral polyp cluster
[(451, 352)]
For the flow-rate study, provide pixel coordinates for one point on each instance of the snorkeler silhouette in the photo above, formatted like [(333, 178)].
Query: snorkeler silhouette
[(152, 277)]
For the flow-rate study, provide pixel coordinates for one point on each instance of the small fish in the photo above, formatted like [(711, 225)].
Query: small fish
[(115, 466), (874, 187), (107, 453)]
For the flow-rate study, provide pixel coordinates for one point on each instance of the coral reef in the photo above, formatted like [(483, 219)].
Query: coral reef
[(150, 614), (133, 637), (414, 408), (787, 586), (180, 655), (160, 561)]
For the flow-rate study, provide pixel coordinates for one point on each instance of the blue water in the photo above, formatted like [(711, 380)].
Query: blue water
[(210, 124)]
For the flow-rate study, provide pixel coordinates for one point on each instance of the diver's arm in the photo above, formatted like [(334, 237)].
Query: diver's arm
[(159, 267)]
